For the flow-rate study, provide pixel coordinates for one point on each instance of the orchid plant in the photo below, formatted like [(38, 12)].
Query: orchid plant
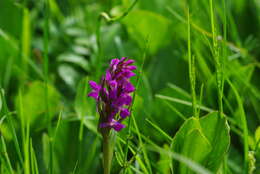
[(113, 97)]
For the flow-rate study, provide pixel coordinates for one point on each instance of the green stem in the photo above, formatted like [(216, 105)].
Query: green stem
[(108, 145)]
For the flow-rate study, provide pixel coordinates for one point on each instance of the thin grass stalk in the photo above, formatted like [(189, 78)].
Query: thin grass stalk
[(10, 123), (104, 16), (25, 134), (46, 80), (146, 159), (224, 50), (231, 45), (191, 69), (25, 50), (6, 155), (218, 66), (175, 110), (130, 118), (31, 156), (244, 126), (201, 96)]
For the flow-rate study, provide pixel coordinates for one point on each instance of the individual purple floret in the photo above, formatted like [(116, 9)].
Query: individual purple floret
[(113, 93)]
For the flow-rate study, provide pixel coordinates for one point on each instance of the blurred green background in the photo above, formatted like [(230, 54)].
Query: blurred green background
[(49, 49)]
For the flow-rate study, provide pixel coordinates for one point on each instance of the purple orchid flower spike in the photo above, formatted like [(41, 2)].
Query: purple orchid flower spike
[(113, 94)]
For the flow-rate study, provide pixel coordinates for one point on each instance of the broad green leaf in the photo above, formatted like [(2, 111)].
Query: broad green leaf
[(196, 148), (216, 130), (205, 141), (34, 105), (179, 138), (190, 142), (142, 25)]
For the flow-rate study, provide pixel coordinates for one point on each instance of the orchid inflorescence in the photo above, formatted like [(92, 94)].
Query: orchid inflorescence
[(113, 93)]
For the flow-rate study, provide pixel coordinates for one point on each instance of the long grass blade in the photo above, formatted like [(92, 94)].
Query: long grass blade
[(244, 125)]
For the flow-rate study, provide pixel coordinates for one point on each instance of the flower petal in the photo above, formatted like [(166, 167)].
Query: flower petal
[(128, 74), (124, 113), (114, 62), (131, 67), (128, 62), (93, 94), (118, 126), (113, 83), (129, 87), (94, 85), (127, 100), (108, 76), (123, 59)]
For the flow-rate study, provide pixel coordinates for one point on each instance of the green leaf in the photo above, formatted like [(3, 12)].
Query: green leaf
[(189, 136), (34, 103), (179, 138), (199, 151), (205, 141), (164, 163), (142, 25), (69, 75), (216, 130), (74, 59)]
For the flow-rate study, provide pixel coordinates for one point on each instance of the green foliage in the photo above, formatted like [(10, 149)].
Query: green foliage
[(34, 105), (145, 25), (196, 107)]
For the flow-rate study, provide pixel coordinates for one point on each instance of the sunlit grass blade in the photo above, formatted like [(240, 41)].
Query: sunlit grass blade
[(244, 125), (201, 96), (192, 165), (179, 90), (216, 56), (146, 159), (46, 79), (4, 151), (25, 129), (11, 124), (33, 160), (26, 43), (198, 28), (136, 89), (191, 60), (184, 102), (174, 109), (159, 129)]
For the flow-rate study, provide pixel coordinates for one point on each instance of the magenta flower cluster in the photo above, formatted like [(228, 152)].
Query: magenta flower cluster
[(113, 93)]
